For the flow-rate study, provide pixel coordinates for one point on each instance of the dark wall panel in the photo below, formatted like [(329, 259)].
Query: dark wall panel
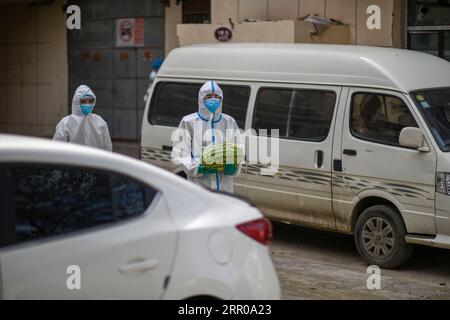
[(118, 76)]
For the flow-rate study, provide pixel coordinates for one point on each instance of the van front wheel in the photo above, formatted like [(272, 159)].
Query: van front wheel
[(380, 237)]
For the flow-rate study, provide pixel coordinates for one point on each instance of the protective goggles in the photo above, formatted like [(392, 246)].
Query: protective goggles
[(87, 100), (212, 96)]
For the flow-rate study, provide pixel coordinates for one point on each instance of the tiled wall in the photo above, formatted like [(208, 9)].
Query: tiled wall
[(33, 68)]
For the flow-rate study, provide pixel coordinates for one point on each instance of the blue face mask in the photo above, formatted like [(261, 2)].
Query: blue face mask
[(86, 108), (212, 104)]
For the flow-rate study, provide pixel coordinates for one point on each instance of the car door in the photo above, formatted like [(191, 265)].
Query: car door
[(374, 163), (82, 233), (300, 189)]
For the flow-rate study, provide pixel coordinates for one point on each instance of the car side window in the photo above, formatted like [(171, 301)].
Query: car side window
[(173, 100), (48, 200), (301, 114), (130, 198), (379, 118)]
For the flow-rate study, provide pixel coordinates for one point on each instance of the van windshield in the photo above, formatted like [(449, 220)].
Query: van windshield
[(434, 104)]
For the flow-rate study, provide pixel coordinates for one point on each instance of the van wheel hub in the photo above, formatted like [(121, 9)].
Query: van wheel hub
[(378, 237)]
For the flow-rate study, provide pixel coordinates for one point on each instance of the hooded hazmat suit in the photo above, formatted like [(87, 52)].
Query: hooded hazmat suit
[(89, 130), (198, 130)]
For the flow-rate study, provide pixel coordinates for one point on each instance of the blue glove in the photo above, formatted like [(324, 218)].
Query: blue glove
[(230, 169), (206, 171)]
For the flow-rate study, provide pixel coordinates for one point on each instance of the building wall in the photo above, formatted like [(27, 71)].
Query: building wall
[(33, 68), (34, 61), (173, 15), (264, 31), (119, 76), (350, 12)]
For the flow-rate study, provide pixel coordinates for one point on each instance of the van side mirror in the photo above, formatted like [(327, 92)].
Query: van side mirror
[(412, 137)]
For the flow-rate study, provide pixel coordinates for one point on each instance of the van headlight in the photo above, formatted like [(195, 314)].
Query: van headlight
[(443, 183)]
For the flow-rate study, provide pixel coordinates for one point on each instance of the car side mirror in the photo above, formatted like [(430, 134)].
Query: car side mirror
[(412, 137)]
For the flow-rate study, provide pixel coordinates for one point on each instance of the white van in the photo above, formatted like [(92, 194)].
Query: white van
[(364, 135)]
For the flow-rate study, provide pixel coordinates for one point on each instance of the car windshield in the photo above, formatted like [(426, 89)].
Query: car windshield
[(434, 104)]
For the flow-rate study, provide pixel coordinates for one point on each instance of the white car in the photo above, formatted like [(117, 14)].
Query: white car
[(82, 223)]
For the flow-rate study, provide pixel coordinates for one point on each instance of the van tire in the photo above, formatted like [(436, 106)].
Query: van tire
[(380, 237)]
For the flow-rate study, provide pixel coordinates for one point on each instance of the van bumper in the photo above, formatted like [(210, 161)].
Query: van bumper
[(442, 222), (442, 217)]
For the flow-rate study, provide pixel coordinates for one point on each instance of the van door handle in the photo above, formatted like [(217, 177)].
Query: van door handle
[(349, 152), (319, 158), (139, 266)]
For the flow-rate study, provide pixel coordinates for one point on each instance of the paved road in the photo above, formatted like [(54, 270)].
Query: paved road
[(131, 149), (313, 264)]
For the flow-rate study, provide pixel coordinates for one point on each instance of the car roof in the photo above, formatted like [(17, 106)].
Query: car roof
[(24, 149), (388, 68)]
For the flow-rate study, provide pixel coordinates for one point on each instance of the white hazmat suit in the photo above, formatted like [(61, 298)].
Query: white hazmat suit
[(198, 130), (89, 130)]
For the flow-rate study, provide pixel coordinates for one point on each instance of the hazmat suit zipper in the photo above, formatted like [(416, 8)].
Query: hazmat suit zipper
[(214, 142)]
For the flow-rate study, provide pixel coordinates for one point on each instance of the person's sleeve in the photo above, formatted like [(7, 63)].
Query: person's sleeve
[(61, 133), (182, 150), (107, 144), (239, 140)]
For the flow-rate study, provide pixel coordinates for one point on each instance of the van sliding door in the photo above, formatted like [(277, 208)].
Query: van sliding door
[(299, 190)]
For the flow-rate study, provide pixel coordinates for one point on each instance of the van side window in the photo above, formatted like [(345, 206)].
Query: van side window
[(379, 118), (297, 113), (171, 101), (47, 200)]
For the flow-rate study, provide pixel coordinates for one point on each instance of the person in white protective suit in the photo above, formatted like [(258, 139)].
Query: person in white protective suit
[(198, 130), (82, 126)]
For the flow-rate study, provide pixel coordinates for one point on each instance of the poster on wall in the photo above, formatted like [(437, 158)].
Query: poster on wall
[(130, 32)]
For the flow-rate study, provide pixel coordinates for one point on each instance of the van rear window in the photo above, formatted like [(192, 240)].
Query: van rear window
[(171, 101)]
